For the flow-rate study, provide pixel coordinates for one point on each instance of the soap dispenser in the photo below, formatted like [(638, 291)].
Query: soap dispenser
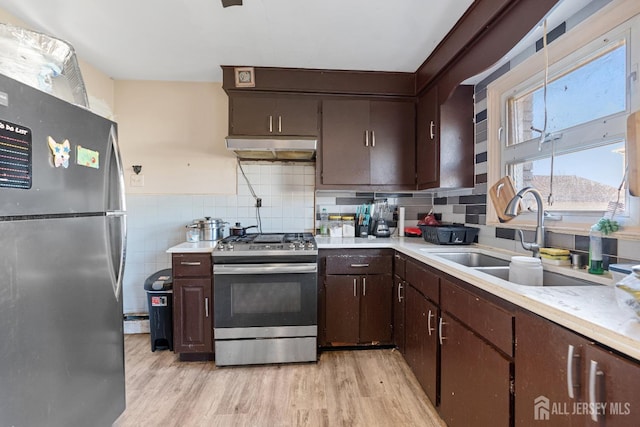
[(595, 251)]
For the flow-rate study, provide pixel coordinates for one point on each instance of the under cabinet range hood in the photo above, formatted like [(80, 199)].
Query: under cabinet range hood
[(270, 148)]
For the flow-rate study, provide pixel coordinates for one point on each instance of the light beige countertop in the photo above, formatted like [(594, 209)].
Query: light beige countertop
[(589, 310), (203, 246)]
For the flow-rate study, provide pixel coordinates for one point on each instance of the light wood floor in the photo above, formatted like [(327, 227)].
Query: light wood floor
[(345, 388)]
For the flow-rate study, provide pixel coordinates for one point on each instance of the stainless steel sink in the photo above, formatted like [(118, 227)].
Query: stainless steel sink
[(549, 278), (474, 259), (499, 267)]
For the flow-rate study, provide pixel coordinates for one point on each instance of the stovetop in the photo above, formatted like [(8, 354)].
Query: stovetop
[(261, 242)]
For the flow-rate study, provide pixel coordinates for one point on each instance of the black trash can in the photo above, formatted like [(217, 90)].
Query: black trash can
[(159, 287)]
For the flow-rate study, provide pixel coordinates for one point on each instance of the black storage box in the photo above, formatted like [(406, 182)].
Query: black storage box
[(449, 234), (159, 287)]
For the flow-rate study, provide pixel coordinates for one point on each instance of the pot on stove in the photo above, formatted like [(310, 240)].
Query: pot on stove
[(239, 230), (209, 228)]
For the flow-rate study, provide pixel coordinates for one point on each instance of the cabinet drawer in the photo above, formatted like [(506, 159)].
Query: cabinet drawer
[(359, 264), (492, 322), (399, 265), (191, 265), (423, 280)]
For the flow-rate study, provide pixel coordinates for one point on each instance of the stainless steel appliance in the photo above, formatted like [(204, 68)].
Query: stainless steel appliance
[(62, 241), (265, 299), (270, 148), (210, 228)]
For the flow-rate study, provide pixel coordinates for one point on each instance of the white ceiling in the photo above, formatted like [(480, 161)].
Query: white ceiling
[(188, 40)]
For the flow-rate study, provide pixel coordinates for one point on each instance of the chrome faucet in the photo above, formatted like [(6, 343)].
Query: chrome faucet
[(512, 211)]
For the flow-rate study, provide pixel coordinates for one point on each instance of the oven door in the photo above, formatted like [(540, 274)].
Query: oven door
[(265, 295)]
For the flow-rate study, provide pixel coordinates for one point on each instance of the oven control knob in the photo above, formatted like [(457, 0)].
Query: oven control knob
[(230, 246), (292, 245), (310, 245), (220, 247), (301, 245)]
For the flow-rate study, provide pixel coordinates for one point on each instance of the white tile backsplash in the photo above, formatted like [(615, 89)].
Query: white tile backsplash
[(157, 222)]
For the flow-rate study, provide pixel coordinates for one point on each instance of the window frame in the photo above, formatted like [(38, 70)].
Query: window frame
[(592, 35)]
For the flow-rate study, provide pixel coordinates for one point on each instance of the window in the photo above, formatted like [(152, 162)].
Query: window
[(579, 163)]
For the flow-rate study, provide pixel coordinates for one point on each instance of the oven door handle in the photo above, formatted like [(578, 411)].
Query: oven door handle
[(264, 268)]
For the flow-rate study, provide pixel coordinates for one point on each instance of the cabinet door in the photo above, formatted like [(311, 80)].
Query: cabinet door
[(399, 292), (392, 145), (616, 388), (456, 158), (541, 372), (193, 325), (376, 309), (475, 379), (251, 115), (428, 140), (343, 309), (262, 115), (296, 116), (345, 157), (421, 345)]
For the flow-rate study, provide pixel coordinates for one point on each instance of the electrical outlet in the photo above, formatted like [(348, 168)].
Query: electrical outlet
[(137, 180)]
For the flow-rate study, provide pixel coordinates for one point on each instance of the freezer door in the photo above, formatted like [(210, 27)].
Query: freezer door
[(29, 121), (61, 337)]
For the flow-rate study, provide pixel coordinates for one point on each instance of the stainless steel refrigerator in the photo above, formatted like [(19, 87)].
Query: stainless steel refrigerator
[(62, 250)]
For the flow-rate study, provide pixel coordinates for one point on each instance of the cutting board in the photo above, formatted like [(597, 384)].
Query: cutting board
[(501, 194), (633, 154)]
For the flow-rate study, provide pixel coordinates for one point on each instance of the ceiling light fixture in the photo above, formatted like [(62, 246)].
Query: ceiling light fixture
[(227, 3)]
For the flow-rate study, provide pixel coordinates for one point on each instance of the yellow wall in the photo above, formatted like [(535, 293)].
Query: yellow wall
[(176, 131)]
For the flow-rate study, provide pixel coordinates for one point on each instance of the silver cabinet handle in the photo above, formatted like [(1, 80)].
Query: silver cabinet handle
[(431, 129), (594, 373), (400, 297), (373, 138), (442, 322), (359, 265), (206, 307), (190, 263), (571, 355), (366, 138), (270, 124), (279, 124), (429, 328), (355, 287), (364, 286)]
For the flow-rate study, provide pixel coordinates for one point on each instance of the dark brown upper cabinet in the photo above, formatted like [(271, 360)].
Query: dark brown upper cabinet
[(444, 140), (266, 115), (367, 143)]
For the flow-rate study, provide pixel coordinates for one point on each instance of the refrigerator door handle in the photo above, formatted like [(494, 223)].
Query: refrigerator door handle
[(118, 214), (119, 176), (117, 271)]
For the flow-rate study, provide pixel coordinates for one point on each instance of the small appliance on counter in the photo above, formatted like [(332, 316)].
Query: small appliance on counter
[(381, 228)]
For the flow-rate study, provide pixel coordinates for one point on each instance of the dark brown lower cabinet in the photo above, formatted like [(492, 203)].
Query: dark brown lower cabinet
[(192, 305), (564, 379), (399, 291), (193, 315), (358, 309), (475, 379), (421, 341)]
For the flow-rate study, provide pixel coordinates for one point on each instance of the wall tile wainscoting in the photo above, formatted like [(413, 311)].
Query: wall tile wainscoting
[(157, 222)]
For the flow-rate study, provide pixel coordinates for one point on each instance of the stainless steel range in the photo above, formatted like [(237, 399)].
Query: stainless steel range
[(265, 299)]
